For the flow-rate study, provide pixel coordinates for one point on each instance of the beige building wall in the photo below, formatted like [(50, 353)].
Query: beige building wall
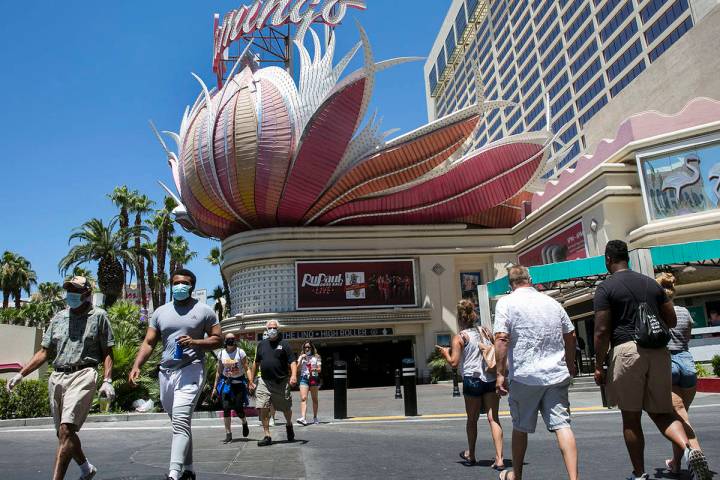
[(18, 344), (687, 71)]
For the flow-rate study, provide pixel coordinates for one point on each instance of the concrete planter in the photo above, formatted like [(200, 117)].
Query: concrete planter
[(708, 385)]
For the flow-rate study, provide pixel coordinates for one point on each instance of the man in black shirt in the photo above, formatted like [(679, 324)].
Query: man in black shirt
[(638, 378), (277, 362)]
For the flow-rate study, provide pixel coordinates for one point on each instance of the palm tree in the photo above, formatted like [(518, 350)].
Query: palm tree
[(79, 271), (215, 258), (105, 245), (151, 250), (140, 205), (16, 275), (123, 198), (180, 253), (218, 294), (163, 224), (50, 292)]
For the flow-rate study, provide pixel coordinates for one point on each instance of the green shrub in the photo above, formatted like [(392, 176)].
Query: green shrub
[(28, 400), (439, 367), (716, 365), (701, 370)]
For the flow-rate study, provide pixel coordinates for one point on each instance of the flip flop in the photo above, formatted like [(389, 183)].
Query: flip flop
[(466, 459), (669, 466), (497, 467), (505, 475)]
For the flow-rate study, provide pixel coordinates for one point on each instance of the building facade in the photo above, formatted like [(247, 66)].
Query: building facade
[(580, 55)]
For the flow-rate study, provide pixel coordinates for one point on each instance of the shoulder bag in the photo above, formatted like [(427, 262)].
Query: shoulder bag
[(488, 353)]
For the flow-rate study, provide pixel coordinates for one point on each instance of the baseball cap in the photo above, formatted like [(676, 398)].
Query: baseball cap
[(78, 282)]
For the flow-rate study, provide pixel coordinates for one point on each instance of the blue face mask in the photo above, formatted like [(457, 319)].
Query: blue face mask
[(73, 300), (181, 291)]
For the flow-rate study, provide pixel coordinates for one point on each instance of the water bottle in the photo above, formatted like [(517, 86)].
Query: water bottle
[(178, 354), (104, 403)]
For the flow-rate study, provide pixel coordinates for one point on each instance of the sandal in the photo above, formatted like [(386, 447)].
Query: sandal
[(505, 475), (670, 468), (466, 459), (497, 467)]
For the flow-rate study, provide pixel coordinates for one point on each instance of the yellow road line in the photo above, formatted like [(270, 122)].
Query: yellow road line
[(456, 415)]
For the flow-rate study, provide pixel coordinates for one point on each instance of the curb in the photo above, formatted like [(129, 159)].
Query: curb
[(708, 385), (119, 417)]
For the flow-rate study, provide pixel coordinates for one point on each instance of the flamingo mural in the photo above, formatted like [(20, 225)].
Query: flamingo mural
[(681, 179)]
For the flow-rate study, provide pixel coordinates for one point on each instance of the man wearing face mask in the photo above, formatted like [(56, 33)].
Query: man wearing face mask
[(278, 362), (80, 337), (187, 328)]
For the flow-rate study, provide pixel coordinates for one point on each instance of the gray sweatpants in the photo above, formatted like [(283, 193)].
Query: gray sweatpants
[(179, 392)]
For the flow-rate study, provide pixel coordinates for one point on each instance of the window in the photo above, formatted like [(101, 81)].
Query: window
[(552, 73), (620, 41), (557, 48), (574, 152), (665, 20), (559, 85), (537, 110), (580, 40), (616, 21), (514, 118), (577, 23), (450, 42), (530, 81), (460, 22), (566, 116), (670, 39), (568, 134), (520, 42), (519, 27), (572, 10), (492, 129), (606, 10), (540, 33), (590, 93), (541, 12), (500, 39), (585, 117), (504, 67), (560, 103), (651, 9), (504, 53), (625, 59), (532, 97), (629, 77), (540, 124), (586, 75), (441, 62), (433, 78), (584, 57), (525, 53), (498, 10)]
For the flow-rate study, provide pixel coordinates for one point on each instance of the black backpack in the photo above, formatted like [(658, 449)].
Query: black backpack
[(650, 330)]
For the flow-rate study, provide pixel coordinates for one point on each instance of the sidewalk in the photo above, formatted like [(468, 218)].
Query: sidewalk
[(435, 400)]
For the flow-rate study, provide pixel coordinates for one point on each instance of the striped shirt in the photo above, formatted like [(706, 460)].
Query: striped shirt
[(680, 335)]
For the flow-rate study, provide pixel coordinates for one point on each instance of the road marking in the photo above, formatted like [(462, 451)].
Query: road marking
[(580, 411)]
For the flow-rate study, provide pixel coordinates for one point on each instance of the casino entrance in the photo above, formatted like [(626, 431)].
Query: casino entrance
[(371, 363)]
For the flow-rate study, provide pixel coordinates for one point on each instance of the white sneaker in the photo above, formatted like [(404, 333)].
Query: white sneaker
[(697, 464), (302, 421), (90, 475), (316, 421), (644, 476)]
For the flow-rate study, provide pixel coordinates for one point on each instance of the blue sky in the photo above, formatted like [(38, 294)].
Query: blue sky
[(81, 79)]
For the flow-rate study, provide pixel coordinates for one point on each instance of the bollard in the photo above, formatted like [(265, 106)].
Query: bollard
[(456, 388), (409, 385), (340, 387), (398, 393)]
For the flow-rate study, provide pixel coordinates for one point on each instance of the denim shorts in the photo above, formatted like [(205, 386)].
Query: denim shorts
[(683, 369), (474, 387)]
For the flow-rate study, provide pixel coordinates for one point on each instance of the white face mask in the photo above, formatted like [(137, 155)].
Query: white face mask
[(272, 333)]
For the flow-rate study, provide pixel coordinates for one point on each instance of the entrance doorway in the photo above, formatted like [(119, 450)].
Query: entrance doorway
[(370, 364)]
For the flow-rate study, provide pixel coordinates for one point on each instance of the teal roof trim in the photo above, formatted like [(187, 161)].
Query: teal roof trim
[(685, 252)]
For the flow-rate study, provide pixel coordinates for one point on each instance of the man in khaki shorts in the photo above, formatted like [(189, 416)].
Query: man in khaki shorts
[(80, 337), (638, 378), (277, 361)]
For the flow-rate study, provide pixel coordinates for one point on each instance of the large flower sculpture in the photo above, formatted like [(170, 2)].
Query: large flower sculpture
[(262, 152)]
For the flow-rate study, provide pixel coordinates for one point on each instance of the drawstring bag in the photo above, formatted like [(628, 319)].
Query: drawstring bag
[(650, 330)]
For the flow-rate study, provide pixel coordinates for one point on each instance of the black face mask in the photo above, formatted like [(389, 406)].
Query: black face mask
[(229, 343)]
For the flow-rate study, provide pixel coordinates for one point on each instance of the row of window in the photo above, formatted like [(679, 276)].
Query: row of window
[(670, 39), (559, 85), (593, 110), (619, 41), (624, 60), (532, 97), (580, 40), (584, 57), (577, 23), (566, 116), (616, 21), (629, 77), (590, 93), (550, 76), (606, 10), (587, 74), (560, 103), (574, 7), (651, 9), (665, 20)]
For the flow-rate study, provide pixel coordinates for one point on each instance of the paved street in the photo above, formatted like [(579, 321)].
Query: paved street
[(360, 448)]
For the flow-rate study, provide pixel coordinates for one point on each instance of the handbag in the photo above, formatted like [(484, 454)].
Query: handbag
[(488, 354), (650, 330)]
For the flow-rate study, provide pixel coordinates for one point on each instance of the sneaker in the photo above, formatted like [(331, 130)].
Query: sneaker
[(316, 421), (290, 433), (302, 421), (91, 474), (188, 475), (246, 430), (265, 442), (644, 476), (697, 464), (272, 422), (228, 438)]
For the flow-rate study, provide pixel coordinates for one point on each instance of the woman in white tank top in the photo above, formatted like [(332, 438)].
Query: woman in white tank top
[(478, 383)]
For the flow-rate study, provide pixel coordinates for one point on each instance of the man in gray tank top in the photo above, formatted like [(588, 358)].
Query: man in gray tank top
[(187, 328)]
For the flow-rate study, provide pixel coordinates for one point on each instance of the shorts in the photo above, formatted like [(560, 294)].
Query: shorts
[(550, 400), (309, 381), (475, 387), (640, 379), (684, 374), (236, 399), (272, 393), (71, 396)]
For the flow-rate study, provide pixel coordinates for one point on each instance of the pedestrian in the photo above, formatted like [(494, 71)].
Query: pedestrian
[(639, 377), (684, 377), (187, 328), (310, 367), (259, 374), (535, 352), (279, 372), (231, 385), (472, 352), (80, 337)]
